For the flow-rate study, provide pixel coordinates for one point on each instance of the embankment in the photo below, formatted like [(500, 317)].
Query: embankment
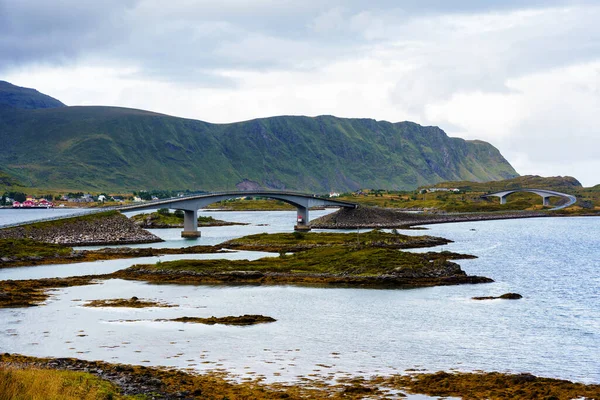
[(104, 228), (373, 217)]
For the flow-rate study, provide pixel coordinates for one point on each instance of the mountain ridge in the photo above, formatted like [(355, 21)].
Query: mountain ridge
[(17, 97), (116, 148)]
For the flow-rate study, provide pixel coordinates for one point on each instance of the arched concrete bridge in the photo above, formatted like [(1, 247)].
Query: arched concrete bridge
[(546, 194), (191, 204)]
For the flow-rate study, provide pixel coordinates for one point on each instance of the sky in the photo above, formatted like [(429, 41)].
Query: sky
[(522, 75)]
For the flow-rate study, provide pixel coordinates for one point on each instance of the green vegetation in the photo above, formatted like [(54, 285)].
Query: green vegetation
[(242, 320), (16, 97), (29, 293), (468, 198), (25, 252), (325, 260), (298, 241), (89, 148), (20, 380), (133, 302), (331, 265), (27, 248), (163, 218), (47, 384), (7, 182), (565, 184)]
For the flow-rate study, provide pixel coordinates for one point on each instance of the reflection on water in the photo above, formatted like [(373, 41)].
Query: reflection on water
[(553, 331)]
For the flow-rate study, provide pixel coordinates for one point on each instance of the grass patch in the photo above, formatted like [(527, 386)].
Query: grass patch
[(26, 248), (45, 384), (332, 265), (147, 382), (324, 260), (133, 302), (27, 293), (297, 241), (166, 219), (241, 320)]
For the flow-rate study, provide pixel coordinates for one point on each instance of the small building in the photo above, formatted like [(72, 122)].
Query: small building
[(45, 203), (334, 194)]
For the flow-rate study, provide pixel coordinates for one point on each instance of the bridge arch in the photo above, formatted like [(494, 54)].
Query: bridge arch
[(544, 193), (191, 204)]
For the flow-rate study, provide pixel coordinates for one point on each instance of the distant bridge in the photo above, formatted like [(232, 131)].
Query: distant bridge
[(191, 204), (546, 194)]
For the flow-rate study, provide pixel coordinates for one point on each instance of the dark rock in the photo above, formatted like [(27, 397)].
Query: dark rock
[(511, 296), (507, 296)]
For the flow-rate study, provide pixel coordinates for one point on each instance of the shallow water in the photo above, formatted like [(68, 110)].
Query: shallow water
[(553, 331), (257, 222), (109, 266)]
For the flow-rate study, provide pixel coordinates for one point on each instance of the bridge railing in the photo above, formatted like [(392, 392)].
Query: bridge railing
[(161, 202), (229, 193), (65, 216)]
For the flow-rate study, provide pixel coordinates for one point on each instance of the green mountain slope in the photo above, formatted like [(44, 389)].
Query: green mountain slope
[(12, 96), (108, 148)]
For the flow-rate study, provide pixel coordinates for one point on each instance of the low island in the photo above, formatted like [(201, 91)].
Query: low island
[(371, 259), (163, 218)]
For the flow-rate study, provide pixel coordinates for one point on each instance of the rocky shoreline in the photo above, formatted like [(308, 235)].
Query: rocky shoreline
[(385, 218), (69, 255), (167, 384), (106, 228), (440, 277)]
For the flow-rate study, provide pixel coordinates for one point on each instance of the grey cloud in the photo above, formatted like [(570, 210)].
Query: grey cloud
[(56, 32), (183, 41), (452, 61)]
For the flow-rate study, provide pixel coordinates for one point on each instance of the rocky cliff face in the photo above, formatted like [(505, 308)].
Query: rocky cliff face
[(97, 229)]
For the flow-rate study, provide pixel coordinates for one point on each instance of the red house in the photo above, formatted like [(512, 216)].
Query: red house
[(16, 204), (45, 203)]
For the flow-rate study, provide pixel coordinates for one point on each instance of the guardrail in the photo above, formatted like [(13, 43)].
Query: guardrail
[(161, 202)]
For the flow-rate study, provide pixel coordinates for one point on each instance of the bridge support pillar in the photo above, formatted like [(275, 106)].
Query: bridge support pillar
[(190, 224), (302, 220), (546, 201), (503, 200)]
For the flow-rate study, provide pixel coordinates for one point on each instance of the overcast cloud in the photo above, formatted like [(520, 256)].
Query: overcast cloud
[(523, 75)]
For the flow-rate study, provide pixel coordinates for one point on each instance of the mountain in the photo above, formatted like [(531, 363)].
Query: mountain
[(110, 148), (6, 181), (12, 97)]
